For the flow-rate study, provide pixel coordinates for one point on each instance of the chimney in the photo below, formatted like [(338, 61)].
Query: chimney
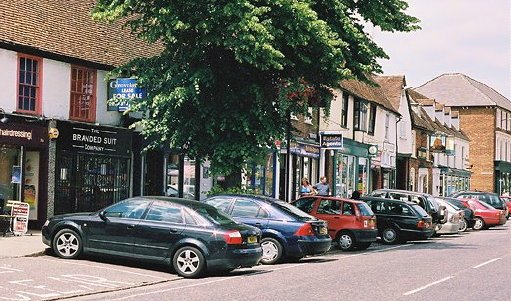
[(455, 119)]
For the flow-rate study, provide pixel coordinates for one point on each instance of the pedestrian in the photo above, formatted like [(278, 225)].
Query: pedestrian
[(355, 195), (322, 187), (306, 188)]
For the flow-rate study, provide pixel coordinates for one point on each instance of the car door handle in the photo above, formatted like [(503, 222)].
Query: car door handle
[(130, 227), (173, 230), (258, 225), (337, 217)]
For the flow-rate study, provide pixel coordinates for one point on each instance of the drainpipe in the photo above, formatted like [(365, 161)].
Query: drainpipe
[(399, 118)]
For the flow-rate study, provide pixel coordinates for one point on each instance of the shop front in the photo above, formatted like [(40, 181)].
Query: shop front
[(503, 177), (453, 180), (93, 166), (351, 166), (23, 166)]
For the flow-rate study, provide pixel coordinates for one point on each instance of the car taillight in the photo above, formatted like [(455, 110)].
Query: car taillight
[(422, 224), (305, 230), (233, 238)]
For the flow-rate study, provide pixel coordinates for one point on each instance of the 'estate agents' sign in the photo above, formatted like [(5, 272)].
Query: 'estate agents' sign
[(124, 90), (331, 141)]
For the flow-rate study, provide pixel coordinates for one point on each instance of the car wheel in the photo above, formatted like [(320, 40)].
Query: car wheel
[(272, 250), (346, 241), (390, 236), (463, 225), (479, 224), (67, 244), (363, 245), (189, 262)]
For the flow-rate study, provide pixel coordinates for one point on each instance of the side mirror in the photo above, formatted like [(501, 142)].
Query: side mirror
[(102, 215)]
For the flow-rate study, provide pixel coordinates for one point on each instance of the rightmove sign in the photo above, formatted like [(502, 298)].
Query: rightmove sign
[(124, 90)]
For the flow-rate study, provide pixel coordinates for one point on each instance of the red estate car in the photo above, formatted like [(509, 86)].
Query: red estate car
[(507, 199), (485, 216), (351, 223)]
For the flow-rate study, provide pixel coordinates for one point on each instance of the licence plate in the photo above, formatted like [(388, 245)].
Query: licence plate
[(323, 230), (252, 239)]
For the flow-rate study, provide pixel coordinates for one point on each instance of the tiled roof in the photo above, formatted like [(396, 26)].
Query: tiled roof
[(392, 86), (368, 92), (65, 28), (456, 89), (420, 121), (419, 98)]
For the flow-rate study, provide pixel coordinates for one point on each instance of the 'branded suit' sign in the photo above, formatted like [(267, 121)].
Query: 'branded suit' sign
[(94, 139)]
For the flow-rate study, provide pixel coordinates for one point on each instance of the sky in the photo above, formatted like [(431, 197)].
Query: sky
[(457, 36)]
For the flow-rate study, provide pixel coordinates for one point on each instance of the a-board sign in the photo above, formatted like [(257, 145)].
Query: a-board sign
[(19, 211)]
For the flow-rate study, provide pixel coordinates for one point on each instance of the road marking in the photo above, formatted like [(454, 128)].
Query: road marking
[(486, 262), (110, 269), (364, 253), (427, 285)]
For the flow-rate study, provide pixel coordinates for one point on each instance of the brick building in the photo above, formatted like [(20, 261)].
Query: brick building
[(484, 116)]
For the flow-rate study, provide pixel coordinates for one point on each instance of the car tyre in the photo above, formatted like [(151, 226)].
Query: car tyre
[(189, 262), (363, 245), (463, 225), (346, 241), (479, 224), (390, 236), (272, 250), (67, 244)]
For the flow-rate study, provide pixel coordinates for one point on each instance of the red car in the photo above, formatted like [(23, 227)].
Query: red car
[(485, 216), (351, 223), (507, 199)]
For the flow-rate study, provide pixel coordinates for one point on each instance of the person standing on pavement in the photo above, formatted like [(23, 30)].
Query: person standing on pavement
[(306, 188), (322, 187)]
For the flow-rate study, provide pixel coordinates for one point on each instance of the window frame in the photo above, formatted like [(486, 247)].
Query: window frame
[(38, 86), (360, 115), (372, 119), (93, 101), (344, 109)]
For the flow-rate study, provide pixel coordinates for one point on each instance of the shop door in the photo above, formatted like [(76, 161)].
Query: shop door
[(10, 175)]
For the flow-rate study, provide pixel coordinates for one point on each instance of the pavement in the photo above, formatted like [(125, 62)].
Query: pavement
[(30, 244)]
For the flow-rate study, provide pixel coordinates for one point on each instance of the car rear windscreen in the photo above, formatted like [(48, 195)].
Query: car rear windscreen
[(419, 210)]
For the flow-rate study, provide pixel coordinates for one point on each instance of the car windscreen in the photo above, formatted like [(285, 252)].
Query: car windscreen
[(293, 211), (212, 215), (419, 210), (365, 210)]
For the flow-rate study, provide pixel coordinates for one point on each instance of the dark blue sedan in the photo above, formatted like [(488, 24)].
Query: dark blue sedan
[(286, 230)]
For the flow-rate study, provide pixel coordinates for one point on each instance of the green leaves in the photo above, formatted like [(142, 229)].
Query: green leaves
[(231, 71)]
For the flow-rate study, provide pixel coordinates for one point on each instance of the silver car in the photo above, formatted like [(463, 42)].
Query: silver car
[(454, 219)]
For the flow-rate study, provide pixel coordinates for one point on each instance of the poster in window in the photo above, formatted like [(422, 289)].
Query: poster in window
[(16, 175), (31, 185)]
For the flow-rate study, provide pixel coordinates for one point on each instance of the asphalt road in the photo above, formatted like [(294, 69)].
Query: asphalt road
[(472, 266)]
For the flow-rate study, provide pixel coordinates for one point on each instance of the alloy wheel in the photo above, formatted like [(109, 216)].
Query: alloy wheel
[(188, 262), (270, 250), (479, 224), (67, 244)]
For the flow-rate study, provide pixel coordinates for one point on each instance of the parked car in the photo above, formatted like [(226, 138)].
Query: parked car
[(489, 198), (286, 230), (455, 218), (190, 236), (469, 213), (486, 216), (507, 199), (425, 200), (351, 223), (399, 221)]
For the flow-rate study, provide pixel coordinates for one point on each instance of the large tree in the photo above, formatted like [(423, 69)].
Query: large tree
[(231, 71)]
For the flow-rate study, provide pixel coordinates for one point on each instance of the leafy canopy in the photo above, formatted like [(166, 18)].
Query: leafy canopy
[(231, 71)]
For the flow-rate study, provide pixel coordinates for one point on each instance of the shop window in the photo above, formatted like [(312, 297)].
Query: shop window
[(29, 84), (83, 94)]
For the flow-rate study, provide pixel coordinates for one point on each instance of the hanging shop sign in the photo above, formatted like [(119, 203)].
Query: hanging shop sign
[(303, 149), (94, 139), (331, 141), (437, 143), (122, 91)]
